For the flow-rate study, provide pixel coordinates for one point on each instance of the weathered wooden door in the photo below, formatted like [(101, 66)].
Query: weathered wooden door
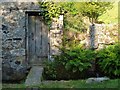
[(37, 40)]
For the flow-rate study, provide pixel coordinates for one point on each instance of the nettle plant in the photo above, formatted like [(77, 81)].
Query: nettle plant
[(109, 60)]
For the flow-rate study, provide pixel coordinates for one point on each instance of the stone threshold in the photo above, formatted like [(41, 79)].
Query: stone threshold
[(34, 77)]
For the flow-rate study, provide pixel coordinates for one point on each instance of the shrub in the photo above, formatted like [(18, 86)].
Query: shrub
[(71, 64), (49, 70), (109, 60), (79, 59)]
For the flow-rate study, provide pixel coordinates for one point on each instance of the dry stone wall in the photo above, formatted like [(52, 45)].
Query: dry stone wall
[(56, 34), (96, 37), (104, 35), (13, 38), (13, 28)]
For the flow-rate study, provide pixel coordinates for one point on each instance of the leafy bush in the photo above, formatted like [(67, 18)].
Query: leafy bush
[(71, 64), (49, 70), (79, 59), (109, 60)]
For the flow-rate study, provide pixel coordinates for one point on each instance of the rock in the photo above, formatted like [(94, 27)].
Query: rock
[(97, 80), (6, 54), (19, 32), (17, 43), (4, 27), (18, 52), (13, 70), (7, 44), (22, 21)]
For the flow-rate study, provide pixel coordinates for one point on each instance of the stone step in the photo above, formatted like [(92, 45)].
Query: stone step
[(34, 76)]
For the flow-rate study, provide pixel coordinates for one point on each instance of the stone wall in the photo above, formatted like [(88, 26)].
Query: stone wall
[(13, 30), (56, 34), (105, 34), (97, 37)]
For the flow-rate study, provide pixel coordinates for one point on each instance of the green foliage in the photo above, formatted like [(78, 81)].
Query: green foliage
[(72, 18), (69, 7), (50, 10), (74, 23), (109, 60), (79, 59), (49, 69), (69, 64), (73, 13), (94, 9)]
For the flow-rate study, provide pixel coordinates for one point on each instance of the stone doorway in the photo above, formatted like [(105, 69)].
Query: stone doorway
[(37, 46)]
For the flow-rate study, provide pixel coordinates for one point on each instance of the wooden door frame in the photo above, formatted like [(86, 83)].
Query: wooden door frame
[(27, 13)]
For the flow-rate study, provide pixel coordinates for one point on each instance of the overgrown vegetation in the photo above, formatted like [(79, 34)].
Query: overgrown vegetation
[(78, 59), (75, 59), (50, 10), (109, 60), (75, 62), (53, 10), (74, 12), (73, 19)]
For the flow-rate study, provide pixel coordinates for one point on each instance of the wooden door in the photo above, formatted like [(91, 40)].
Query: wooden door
[(37, 40)]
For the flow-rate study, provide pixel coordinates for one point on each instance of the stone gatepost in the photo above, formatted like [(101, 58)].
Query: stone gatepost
[(93, 44), (93, 37), (55, 35)]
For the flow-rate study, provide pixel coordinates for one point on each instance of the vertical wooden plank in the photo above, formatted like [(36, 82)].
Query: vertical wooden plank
[(28, 23), (33, 38), (38, 37), (44, 40), (31, 42)]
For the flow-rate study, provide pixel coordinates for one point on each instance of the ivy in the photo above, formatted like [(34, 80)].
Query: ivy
[(72, 17), (51, 10)]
